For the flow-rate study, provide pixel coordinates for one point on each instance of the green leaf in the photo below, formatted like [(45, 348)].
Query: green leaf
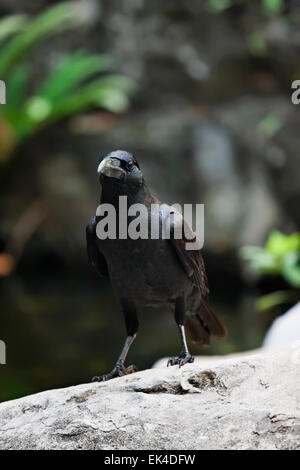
[(11, 24), (291, 268), (292, 275), (17, 82), (110, 92), (260, 260), (53, 20), (272, 7), (279, 244), (257, 44), (293, 242), (270, 125), (38, 109), (269, 301), (217, 6), (281, 255), (71, 72)]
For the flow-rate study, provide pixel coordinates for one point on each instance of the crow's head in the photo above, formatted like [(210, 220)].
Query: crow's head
[(120, 167)]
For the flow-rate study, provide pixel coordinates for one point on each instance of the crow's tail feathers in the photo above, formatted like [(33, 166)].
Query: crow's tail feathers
[(204, 325)]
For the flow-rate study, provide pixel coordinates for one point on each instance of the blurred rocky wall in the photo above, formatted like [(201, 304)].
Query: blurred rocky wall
[(211, 122)]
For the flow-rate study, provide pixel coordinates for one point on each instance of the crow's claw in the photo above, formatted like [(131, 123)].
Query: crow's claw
[(130, 369), (118, 371), (98, 378), (181, 360), (185, 360), (171, 362)]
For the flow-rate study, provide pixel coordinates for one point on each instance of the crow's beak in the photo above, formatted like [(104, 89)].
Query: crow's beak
[(111, 167)]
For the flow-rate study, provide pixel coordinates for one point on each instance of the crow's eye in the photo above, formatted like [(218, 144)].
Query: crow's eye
[(130, 165)]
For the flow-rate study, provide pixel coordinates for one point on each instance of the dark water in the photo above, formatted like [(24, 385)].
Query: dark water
[(61, 330)]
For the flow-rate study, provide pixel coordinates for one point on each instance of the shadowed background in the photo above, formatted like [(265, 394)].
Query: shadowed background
[(200, 92)]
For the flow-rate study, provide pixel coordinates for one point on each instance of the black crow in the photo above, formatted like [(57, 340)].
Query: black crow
[(149, 271)]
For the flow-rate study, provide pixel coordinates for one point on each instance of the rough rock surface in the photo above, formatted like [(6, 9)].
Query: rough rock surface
[(284, 330), (247, 402)]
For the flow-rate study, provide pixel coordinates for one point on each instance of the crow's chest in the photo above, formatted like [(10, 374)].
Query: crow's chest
[(146, 270)]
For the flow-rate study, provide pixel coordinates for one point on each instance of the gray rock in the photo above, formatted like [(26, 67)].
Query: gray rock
[(218, 181), (285, 330), (247, 402)]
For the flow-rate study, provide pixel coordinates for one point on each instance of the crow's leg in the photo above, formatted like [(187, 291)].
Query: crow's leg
[(184, 356), (131, 321)]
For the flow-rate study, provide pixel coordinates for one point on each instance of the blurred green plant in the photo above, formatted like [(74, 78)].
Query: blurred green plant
[(270, 125), (71, 86), (217, 6), (272, 7), (257, 44), (269, 7), (279, 256)]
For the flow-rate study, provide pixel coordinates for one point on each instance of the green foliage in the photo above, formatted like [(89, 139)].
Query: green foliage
[(272, 7), (73, 84), (270, 125), (279, 256), (72, 70), (269, 7), (257, 44), (269, 301), (30, 33), (216, 6), (10, 25), (64, 92)]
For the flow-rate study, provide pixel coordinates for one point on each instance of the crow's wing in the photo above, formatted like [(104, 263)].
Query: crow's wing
[(191, 260), (204, 323), (96, 258)]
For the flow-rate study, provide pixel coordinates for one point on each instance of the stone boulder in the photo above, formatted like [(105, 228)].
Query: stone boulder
[(285, 330), (246, 402)]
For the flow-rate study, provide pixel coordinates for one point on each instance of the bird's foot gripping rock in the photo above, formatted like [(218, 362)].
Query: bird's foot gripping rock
[(118, 371), (181, 360)]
